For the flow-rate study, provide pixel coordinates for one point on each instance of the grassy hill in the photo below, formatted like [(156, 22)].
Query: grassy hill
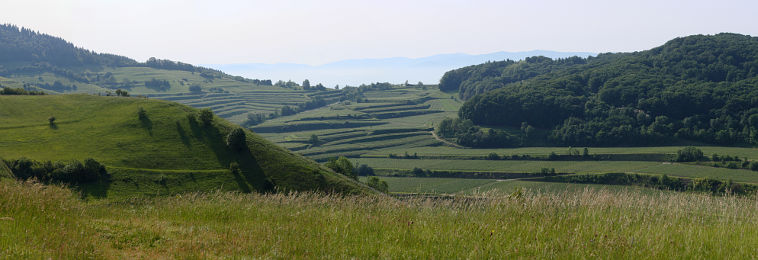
[(167, 152), (37, 61)]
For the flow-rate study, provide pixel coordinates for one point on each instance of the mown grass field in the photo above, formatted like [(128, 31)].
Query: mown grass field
[(660, 168), (462, 186), (39, 221), (742, 152)]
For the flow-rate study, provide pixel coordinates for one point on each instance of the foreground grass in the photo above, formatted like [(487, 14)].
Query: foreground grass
[(42, 221)]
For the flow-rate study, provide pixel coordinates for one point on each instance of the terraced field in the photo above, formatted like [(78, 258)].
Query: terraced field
[(236, 104), (392, 131), (399, 118)]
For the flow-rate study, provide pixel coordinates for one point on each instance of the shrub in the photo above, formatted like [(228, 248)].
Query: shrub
[(732, 165), (206, 116), (93, 170), (492, 156), (343, 166), (689, 154), (195, 88), (236, 139), (234, 167), (51, 120), (60, 172), (754, 166), (378, 184), (364, 170), (417, 171)]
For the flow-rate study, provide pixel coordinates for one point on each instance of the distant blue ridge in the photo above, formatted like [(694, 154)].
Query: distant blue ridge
[(354, 72)]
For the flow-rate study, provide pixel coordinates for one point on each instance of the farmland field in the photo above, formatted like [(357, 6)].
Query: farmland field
[(459, 186)]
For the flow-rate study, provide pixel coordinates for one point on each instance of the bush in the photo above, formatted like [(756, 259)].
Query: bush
[(732, 165), (492, 156), (689, 154), (236, 140), (378, 184), (58, 172), (206, 116), (343, 166), (51, 120), (364, 170), (754, 166), (234, 167), (195, 88)]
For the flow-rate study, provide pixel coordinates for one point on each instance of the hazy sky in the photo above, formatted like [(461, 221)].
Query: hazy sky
[(316, 32)]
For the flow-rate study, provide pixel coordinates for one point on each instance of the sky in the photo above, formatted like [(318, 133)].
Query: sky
[(318, 32)]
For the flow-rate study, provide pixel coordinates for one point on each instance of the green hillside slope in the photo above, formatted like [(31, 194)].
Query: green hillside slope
[(37, 61), (168, 151), (697, 88), (4, 171)]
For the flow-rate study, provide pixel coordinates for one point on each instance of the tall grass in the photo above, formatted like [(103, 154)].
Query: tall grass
[(579, 224)]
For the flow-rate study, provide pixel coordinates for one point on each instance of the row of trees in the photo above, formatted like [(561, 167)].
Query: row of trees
[(698, 88), (18, 91), (72, 172)]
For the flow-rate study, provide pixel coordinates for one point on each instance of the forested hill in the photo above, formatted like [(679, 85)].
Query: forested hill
[(21, 46), (695, 88), (25, 51)]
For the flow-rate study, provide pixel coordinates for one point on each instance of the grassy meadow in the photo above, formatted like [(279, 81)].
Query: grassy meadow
[(38, 221)]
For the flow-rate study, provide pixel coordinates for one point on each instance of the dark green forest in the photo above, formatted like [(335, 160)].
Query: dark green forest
[(692, 89)]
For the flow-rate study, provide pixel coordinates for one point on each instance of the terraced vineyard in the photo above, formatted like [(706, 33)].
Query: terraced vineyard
[(237, 103), (392, 131), (399, 118)]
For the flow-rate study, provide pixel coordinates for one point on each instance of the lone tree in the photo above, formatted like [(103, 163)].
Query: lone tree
[(236, 139), (206, 116), (51, 120)]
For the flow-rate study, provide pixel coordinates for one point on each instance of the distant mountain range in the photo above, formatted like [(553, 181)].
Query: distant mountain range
[(363, 71)]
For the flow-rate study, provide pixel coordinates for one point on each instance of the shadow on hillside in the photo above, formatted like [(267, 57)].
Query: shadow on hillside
[(147, 124), (183, 135), (97, 190), (251, 176), (53, 126)]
